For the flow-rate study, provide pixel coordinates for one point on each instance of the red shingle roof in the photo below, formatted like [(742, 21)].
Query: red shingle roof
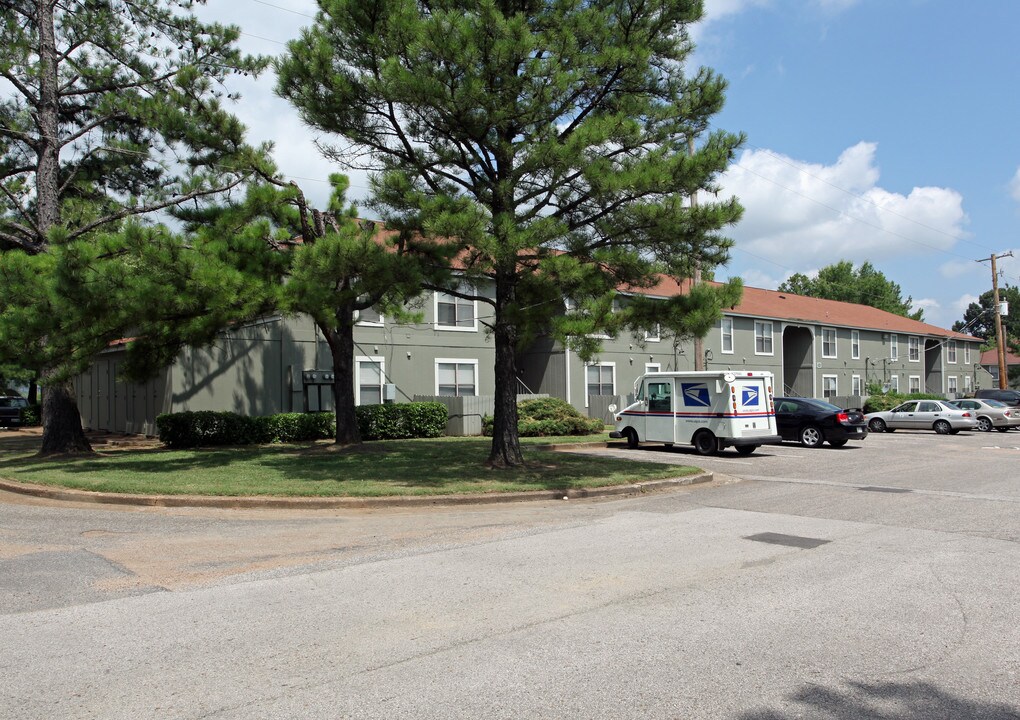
[(772, 304), (991, 357)]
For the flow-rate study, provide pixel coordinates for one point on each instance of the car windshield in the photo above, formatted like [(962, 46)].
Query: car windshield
[(9, 402)]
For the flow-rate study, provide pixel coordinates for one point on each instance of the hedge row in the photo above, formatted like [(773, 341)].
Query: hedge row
[(375, 422), (546, 417), (887, 401)]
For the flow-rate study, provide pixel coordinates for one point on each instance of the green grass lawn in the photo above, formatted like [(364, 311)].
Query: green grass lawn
[(375, 469)]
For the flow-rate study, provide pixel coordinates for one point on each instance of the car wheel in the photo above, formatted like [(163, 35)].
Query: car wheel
[(704, 443), (942, 427), (837, 443), (811, 436), (984, 424), (877, 425), (632, 439), (746, 449)]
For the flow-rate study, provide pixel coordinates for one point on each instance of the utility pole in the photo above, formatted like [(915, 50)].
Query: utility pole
[(1000, 339), (699, 343)]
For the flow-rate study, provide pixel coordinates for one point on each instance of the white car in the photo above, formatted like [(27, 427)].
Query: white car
[(937, 415), (990, 413)]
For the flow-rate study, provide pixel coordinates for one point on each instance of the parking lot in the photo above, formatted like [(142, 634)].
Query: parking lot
[(873, 581)]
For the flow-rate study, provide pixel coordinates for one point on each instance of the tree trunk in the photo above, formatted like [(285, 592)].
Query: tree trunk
[(506, 445), (62, 431), (341, 348)]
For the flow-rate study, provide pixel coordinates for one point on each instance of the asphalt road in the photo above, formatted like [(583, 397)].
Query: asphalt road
[(876, 581)]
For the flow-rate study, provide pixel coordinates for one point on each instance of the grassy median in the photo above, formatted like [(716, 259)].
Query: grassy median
[(374, 469)]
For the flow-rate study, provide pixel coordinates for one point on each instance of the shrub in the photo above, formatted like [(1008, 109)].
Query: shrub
[(208, 428), (887, 401), (399, 421), (31, 416), (545, 417)]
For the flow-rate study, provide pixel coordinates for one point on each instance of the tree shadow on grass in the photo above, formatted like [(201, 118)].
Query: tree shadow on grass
[(915, 700)]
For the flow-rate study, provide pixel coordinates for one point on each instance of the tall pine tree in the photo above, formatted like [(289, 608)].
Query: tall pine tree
[(548, 139), (110, 110)]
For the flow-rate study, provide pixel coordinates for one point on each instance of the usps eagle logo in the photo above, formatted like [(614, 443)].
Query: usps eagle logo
[(695, 394), (749, 396)]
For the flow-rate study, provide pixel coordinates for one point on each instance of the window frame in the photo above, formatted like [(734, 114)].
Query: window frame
[(911, 383), (835, 385), (457, 361), (913, 348), (825, 332), (855, 344), (894, 347), (454, 328), (951, 352), (381, 361), (894, 382), (856, 387), (723, 334), (952, 384), (370, 323), (656, 365), (601, 364), (966, 353), (657, 337), (771, 337)]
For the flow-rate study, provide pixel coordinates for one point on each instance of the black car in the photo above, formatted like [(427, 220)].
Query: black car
[(1008, 396), (811, 422), (10, 411)]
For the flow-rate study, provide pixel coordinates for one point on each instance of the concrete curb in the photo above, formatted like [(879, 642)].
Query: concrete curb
[(325, 503)]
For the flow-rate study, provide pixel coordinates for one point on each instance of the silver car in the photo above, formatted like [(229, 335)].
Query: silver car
[(937, 415), (990, 413)]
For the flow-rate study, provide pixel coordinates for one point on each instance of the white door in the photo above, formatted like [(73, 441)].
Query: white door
[(659, 419)]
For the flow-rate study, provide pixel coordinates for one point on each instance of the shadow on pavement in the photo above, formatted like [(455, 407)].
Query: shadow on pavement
[(886, 701)]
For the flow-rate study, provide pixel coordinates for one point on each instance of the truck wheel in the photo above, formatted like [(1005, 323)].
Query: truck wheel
[(704, 443), (746, 449), (632, 439)]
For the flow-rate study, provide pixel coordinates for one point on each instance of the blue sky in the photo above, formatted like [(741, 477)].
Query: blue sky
[(878, 130)]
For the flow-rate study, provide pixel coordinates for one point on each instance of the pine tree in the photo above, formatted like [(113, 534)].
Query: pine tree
[(547, 139), (110, 110)]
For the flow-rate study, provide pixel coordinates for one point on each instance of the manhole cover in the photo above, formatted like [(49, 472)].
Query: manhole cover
[(788, 540)]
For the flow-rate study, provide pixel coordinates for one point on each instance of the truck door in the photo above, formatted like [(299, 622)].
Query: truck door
[(659, 420)]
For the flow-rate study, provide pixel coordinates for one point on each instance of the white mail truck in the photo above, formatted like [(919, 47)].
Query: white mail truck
[(711, 410)]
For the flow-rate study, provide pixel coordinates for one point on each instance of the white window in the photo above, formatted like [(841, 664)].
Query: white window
[(855, 385), (727, 334), (830, 386), (370, 317), (951, 352), (966, 384), (894, 383), (454, 313), (762, 337), (953, 387), (370, 375), (653, 367), (966, 353), (914, 349), (654, 335), (914, 384), (600, 379), (456, 377), (828, 342), (894, 347), (855, 344)]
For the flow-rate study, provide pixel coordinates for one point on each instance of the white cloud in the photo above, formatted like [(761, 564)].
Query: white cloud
[(929, 305), (1014, 186), (802, 215)]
